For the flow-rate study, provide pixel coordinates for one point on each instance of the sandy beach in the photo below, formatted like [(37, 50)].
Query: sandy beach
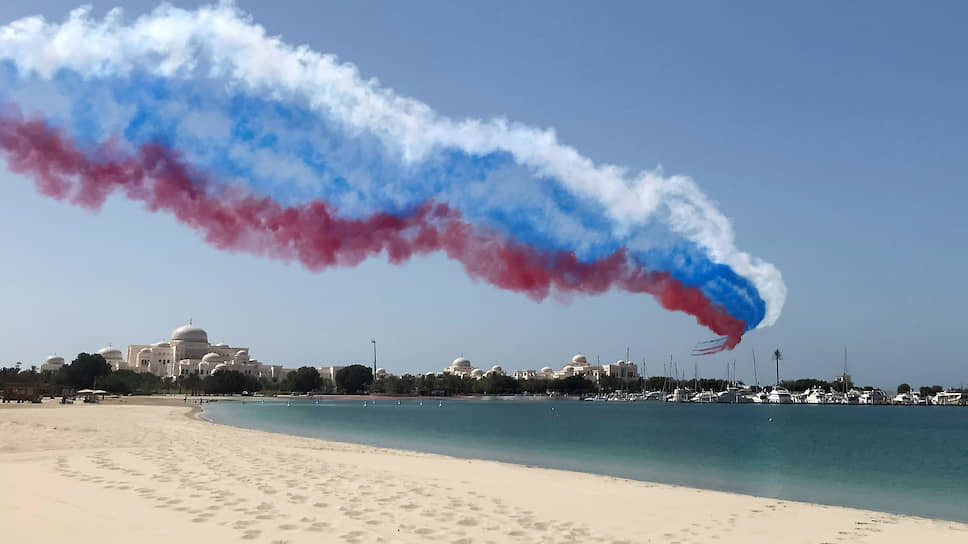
[(155, 473)]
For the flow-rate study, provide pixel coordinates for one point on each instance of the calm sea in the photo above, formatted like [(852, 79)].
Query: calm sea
[(908, 460)]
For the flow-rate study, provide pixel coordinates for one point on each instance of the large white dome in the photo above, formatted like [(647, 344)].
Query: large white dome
[(461, 362), (189, 333), (212, 358), (110, 354), (54, 360), (579, 360)]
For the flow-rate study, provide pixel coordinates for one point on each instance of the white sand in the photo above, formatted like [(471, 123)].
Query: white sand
[(145, 474)]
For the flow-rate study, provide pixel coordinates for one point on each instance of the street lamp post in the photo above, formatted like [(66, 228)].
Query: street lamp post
[(374, 357)]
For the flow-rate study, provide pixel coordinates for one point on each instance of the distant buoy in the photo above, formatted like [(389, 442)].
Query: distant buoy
[(421, 403), (398, 403), (771, 419), (552, 408), (441, 404), (288, 403)]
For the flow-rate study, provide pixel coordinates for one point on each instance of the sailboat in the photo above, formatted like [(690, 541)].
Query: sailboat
[(759, 397)]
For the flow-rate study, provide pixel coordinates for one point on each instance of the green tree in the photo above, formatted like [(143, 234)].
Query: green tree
[(353, 379), (574, 385), (930, 391), (227, 382), (304, 379), (903, 388), (86, 368)]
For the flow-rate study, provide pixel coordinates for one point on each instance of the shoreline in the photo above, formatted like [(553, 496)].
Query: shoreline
[(201, 411), (291, 488)]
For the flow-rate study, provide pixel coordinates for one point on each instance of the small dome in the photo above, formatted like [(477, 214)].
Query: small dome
[(54, 360), (381, 371), (111, 354), (461, 362), (189, 333), (496, 368), (212, 358), (547, 369), (144, 351), (221, 345), (161, 345), (579, 360), (620, 362), (477, 372), (218, 367), (242, 353), (429, 374)]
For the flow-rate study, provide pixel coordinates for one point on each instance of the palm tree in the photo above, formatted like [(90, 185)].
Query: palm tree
[(777, 355)]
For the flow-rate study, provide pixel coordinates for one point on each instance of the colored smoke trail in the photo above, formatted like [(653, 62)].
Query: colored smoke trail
[(240, 104), (313, 234)]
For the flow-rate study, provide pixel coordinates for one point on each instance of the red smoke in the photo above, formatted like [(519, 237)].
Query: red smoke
[(313, 234)]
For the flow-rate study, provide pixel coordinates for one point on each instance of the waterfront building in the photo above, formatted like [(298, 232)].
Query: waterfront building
[(579, 366), (462, 368), (189, 352)]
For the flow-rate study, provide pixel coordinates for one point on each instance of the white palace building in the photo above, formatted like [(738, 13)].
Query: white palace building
[(188, 352)]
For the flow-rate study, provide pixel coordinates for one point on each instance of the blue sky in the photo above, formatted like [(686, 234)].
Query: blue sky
[(833, 135)]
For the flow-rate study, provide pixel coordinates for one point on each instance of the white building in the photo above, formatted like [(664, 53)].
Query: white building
[(53, 363), (461, 367), (579, 366), (189, 352)]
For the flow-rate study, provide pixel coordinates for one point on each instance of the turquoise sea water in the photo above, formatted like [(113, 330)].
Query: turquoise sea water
[(908, 460)]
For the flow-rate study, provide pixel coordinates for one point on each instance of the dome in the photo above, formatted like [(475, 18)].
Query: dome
[(579, 360), (620, 362), (461, 362), (212, 358), (547, 369), (381, 371), (477, 372), (161, 345), (430, 374), (496, 368), (189, 333), (144, 350), (110, 353), (242, 353), (221, 345), (218, 367), (54, 360)]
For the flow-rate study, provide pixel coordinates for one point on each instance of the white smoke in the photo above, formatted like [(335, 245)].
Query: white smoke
[(221, 41)]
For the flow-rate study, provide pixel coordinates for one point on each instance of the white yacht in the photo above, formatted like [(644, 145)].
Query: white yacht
[(652, 396), (875, 396), (779, 395), (905, 399), (734, 395), (678, 395), (852, 397), (760, 397), (705, 397), (948, 398), (816, 395)]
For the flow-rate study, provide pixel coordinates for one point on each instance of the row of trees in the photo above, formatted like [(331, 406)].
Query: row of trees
[(925, 391), (92, 371)]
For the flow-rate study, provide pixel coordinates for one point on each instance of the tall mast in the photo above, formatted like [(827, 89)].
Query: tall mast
[(755, 378)]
